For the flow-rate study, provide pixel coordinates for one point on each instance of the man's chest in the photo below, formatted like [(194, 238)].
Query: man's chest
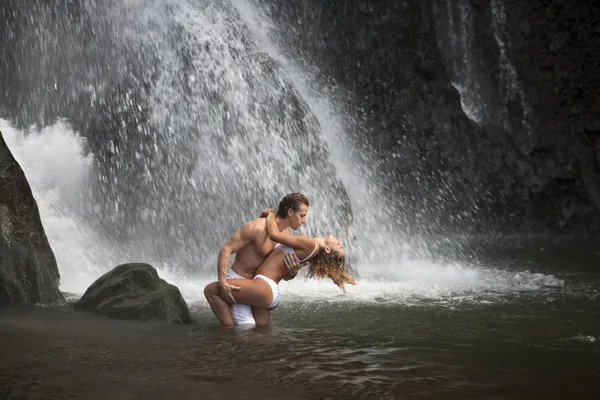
[(264, 247)]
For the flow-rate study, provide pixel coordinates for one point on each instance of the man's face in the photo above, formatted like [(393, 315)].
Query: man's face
[(298, 218)]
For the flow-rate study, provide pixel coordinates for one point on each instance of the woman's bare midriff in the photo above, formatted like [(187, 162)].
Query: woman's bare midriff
[(273, 267)]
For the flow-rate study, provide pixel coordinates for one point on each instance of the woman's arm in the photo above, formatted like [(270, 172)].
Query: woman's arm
[(296, 242)]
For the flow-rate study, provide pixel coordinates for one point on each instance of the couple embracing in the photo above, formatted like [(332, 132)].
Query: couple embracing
[(265, 254)]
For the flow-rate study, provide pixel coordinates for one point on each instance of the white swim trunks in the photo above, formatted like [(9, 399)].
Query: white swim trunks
[(274, 289), (242, 313)]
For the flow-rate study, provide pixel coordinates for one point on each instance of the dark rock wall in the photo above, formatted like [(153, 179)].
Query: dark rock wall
[(556, 48), (530, 163), (544, 102), (28, 271)]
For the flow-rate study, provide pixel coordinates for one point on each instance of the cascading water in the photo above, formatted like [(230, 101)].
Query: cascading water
[(511, 89), (377, 233), (213, 124), (487, 100), (460, 30), (243, 135)]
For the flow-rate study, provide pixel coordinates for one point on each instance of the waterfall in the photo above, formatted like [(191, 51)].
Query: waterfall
[(194, 123), (198, 128), (239, 136), (370, 210)]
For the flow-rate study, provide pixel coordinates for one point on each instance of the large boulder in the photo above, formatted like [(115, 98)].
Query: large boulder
[(135, 291), (28, 270)]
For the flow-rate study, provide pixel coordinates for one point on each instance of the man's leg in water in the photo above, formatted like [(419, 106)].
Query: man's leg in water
[(253, 292), (262, 316), (236, 313), (242, 313), (220, 307)]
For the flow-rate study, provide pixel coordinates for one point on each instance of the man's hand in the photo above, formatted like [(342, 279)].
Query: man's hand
[(225, 290), (266, 211), (292, 264)]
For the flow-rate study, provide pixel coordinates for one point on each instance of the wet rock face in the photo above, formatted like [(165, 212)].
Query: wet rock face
[(488, 110), (135, 291), (555, 48), (28, 271)]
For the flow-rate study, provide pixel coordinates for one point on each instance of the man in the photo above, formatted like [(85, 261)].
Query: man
[(251, 246)]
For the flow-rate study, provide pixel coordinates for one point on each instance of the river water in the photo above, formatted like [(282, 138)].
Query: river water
[(542, 343)]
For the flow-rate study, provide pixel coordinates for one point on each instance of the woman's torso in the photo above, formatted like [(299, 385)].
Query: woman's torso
[(274, 266)]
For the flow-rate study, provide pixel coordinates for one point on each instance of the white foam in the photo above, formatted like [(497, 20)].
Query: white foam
[(587, 338), (408, 283), (57, 146)]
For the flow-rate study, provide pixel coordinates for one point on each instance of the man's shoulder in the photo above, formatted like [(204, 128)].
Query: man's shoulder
[(254, 227)]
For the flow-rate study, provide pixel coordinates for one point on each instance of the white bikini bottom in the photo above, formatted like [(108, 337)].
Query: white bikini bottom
[(274, 289)]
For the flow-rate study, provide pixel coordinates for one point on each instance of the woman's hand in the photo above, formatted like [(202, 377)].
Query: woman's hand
[(292, 265), (265, 212), (225, 291)]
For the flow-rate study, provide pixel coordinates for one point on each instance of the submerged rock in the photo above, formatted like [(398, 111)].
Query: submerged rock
[(28, 270), (135, 291)]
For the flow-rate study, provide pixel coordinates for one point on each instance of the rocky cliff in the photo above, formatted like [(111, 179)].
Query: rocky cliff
[(486, 110), (28, 271)]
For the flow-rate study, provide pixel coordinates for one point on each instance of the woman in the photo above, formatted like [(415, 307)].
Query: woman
[(326, 258)]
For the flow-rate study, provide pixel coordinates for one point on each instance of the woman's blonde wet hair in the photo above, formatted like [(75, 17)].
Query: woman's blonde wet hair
[(330, 265)]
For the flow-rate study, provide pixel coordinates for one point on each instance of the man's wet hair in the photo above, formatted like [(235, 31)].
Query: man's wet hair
[(292, 201)]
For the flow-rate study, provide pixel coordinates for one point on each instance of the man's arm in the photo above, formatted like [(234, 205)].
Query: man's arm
[(240, 238)]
